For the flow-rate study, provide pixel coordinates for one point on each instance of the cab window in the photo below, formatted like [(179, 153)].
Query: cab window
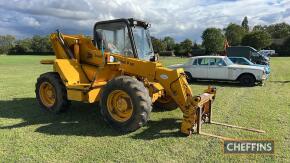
[(216, 62), (114, 38), (203, 61), (220, 61), (242, 61), (234, 60), (194, 62)]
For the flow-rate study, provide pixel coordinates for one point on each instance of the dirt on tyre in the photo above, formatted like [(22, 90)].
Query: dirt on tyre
[(51, 93), (247, 80), (125, 104), (165, 104)]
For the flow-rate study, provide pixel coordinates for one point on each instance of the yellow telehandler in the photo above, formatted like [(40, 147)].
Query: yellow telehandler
[(119, 70)]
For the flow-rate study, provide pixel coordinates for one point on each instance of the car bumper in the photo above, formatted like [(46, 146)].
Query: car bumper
[(264, 78), (267, 76)]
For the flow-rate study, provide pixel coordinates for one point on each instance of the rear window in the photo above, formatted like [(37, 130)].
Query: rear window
[(194, 62), (203, 61)]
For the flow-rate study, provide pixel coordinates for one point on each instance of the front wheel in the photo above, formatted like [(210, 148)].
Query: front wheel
[(165, 103), (247, 80), (125, 104), (189, 77)]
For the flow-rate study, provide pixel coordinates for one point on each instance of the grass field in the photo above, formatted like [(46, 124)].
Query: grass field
[(28, 134)]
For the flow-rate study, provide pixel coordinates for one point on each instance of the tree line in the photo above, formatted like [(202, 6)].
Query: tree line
[(213, 41), (36, 44)]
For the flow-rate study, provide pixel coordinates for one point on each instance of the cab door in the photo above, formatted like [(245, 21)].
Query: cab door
[(217, 69), (199, 68)]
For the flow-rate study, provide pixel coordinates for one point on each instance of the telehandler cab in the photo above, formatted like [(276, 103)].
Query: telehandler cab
[(119, 70)]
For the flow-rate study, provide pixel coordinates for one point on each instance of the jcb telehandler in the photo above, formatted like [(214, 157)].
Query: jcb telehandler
[(119, 70)]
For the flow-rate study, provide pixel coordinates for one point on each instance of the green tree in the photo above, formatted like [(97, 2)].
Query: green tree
[(234, 34), (158, 45), (286, 44), (213, 40), (196, 45), (259, 28), (6, 43), (169, 43), (280, 30), (245, 24), (25, 44), (21, 46), (40, 44), (186, 46), (258, 40), (178, 50)]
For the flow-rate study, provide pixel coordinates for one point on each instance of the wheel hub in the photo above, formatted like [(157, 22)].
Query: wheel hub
[(47, 94), (120, 106)]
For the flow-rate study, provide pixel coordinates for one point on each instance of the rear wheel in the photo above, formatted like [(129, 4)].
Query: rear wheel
[(125, 104), (188, 76), (51, 93), (165, 103), (247, 80)]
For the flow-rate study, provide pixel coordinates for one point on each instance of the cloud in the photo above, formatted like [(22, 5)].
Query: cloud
[(180, 19)]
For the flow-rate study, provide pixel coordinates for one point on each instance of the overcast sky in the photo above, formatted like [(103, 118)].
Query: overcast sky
[(177, 18)]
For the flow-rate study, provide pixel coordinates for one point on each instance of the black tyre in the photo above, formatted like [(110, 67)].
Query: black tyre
[(189, 77), (125, 104), (165, 104), (247, 80), (51, 93)]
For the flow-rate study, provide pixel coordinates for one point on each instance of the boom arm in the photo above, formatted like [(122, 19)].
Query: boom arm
[(175, 85)]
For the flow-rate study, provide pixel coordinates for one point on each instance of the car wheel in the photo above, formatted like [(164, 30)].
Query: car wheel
[(189, 76), (247, 80)]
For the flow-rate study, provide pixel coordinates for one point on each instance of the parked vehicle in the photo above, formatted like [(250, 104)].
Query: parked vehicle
[(245, 61), (248, 52), (221, 68), (267, 53)]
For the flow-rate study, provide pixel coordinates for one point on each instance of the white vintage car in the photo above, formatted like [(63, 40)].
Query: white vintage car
[(221, 68)]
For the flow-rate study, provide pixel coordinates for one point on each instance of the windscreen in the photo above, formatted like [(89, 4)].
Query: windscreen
[(143, 43), (228, 61), (114, 37)]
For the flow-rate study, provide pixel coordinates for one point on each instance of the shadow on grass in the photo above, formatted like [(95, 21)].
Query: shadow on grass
[(283, 82), (80, 120), (164, 128), (217, 83)]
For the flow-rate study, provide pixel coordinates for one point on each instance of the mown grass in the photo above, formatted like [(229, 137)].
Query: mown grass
[(28, 134)]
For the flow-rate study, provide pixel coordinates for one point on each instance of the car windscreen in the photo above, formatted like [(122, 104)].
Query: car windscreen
[(228, 61)]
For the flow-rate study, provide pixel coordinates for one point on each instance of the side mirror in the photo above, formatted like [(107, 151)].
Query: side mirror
[(220, 64)]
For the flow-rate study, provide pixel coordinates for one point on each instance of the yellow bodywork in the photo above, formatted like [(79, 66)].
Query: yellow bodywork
[(86, 74)]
